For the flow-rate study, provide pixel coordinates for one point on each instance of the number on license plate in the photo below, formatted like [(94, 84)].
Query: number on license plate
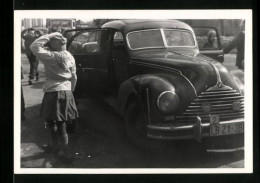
[(225, 129), (214, 119)]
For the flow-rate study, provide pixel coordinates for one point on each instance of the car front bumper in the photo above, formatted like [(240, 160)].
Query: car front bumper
[(197, 131)]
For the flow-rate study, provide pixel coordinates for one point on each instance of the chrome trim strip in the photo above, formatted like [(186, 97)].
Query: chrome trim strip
[(170, 138), (197, 129), (92, 69), (172, 128), (219, 95), (163, 36), (148, 106), (156, 66), (214, 99), (190, 127), (211, 51), (226, 114), (214, 109), (197, 103), (191, 85), (216, 92)]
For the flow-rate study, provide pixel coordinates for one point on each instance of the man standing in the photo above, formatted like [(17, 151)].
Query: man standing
[(58, 105), (239, 43), (22, 99), (29, 36)]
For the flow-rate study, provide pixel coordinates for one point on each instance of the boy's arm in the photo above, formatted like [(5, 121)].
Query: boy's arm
[(73, 78), (38, 49)]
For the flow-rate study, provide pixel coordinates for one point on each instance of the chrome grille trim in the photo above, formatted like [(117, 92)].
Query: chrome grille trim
[(221, 108), (221, 102), (218, 111), (217, 92), (217, 95), (214, 99), (218, 102)]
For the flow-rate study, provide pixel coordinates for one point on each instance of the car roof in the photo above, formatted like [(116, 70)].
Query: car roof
[(129, 25)]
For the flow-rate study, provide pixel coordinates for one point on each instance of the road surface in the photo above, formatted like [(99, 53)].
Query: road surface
[(101, 141)]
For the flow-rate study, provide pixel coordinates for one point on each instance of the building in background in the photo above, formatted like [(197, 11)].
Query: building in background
[(85, 24), (60, 24), (33, 22)]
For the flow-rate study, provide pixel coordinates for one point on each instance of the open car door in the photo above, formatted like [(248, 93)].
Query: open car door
[(208, 40), (89, 48)]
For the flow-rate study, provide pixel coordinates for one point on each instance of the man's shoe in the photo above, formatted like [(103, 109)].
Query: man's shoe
[(37, 78), (30, 82)]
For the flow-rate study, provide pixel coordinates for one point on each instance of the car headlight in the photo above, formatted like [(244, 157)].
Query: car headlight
[(168, 102)]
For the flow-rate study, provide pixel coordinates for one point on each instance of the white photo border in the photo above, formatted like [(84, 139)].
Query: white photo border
[(137, 14)]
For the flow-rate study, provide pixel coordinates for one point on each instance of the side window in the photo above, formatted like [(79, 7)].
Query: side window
[(118, 39), (207, 38), (85, 43)]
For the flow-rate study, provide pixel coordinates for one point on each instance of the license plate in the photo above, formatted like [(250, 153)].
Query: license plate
[(226, 129)]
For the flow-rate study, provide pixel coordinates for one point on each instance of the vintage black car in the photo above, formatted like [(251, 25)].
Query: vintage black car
[(163, 86)]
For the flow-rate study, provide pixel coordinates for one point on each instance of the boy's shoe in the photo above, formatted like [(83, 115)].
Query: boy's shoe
[(48, 149), (66, 158)]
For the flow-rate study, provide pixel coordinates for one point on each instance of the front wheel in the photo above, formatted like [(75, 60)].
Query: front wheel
[(136, 127)]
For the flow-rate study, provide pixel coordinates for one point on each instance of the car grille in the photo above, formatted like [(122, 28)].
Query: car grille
[(221, 102)]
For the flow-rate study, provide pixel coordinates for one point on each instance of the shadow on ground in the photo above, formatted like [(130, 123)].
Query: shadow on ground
[(101, 143)]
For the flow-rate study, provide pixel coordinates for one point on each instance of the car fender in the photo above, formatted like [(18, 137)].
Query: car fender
[(144, 87)]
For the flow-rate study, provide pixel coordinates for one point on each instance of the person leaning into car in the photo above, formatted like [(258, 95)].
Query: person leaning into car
[(212, 40), (58, 104), (29, 35), (239, 43)]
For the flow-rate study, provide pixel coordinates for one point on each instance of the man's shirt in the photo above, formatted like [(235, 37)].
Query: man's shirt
[(60, 66), (239, 43), (28, 40)]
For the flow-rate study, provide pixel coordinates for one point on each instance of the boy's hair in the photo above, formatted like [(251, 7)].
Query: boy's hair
[(31, 29)]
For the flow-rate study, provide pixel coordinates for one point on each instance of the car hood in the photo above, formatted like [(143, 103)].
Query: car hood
[(201, 71)]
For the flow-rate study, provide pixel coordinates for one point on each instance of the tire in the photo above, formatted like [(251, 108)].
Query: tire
[(136, 128)]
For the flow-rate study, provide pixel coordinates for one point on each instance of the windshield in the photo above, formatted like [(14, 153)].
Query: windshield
[(160, 38)]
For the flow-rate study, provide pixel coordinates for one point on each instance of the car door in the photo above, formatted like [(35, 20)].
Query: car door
[(208, 40), (89, 48)]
